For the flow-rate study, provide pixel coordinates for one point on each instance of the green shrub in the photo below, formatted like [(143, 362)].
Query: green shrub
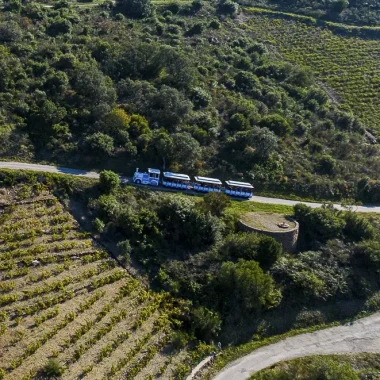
[(53, 369), (179, 339), (98, 225), (215, 24), (205, 323), (357, 228), (326, 164), (108, 181), (126, 250)]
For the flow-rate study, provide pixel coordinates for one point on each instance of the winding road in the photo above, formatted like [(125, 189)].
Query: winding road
[(88, 174), (362, 335)]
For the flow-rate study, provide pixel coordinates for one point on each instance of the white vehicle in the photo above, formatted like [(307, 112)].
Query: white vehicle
[(239, 189), (151, 178), (207, 185), (176, 181)]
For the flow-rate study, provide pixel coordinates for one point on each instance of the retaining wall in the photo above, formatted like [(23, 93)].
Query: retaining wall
[(288, 237)]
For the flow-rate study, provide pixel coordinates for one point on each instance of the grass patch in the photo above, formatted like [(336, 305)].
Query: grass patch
[(241, 207)]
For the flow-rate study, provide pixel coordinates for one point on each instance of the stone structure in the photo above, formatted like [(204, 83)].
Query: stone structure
[(288, 238)]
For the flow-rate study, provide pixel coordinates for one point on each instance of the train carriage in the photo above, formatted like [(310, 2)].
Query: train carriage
[(238, 189), (176, 181), (207, 185)]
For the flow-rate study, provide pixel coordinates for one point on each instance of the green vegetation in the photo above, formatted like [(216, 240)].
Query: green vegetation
[(333, 58), (287, 101), (193, 87), (337, 367), (205, 276)]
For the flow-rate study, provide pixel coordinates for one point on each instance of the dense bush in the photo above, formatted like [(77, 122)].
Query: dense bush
[(185, 225), (135, 8), (318, 225), (250, 246), (108, 181), (244, 286)]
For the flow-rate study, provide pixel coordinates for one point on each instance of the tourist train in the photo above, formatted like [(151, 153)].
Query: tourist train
[(200, 184)]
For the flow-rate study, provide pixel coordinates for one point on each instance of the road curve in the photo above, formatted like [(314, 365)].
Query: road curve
[(47, 168), (84, 173), (362, 335)]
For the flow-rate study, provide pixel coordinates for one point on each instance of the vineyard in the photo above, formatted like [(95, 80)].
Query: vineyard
[(347, 65), (63, 299)]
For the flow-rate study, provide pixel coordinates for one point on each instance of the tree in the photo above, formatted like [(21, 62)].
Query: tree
[(277, 124), (94, 92), (215, 203), (135, 8), (43, 115), (14, 6), (185, 225), (228, 7), (338, 6), (126, 250), (326, 164), (116, 121), (138, 126), (100, 143), (10, 32), (369, 251), (238, 122), (357, 228), (268, 252), (186, 150), (169, 107), (246, 81), (264, 141), (205, 323), (107, 206), (245, 284), (319, 224), (200, 97), (108, 181), (59, 26), (251, 246), (53, 369)]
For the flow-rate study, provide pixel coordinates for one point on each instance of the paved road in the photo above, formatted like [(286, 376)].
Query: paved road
[(84, 173), (361, 336), (47, 168)]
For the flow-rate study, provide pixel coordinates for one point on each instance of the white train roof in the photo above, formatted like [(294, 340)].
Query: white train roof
[(155, 171), (183, 177), (239, 184), (213, 181)]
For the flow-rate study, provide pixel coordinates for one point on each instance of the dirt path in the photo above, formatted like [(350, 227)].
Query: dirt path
[(84, 173), (362, 335)]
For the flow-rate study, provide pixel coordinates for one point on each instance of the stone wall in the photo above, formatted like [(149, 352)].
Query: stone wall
[(288, 237)]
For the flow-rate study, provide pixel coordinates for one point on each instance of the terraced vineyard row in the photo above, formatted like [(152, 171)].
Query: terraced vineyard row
[(348, 65), (62, 297)]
